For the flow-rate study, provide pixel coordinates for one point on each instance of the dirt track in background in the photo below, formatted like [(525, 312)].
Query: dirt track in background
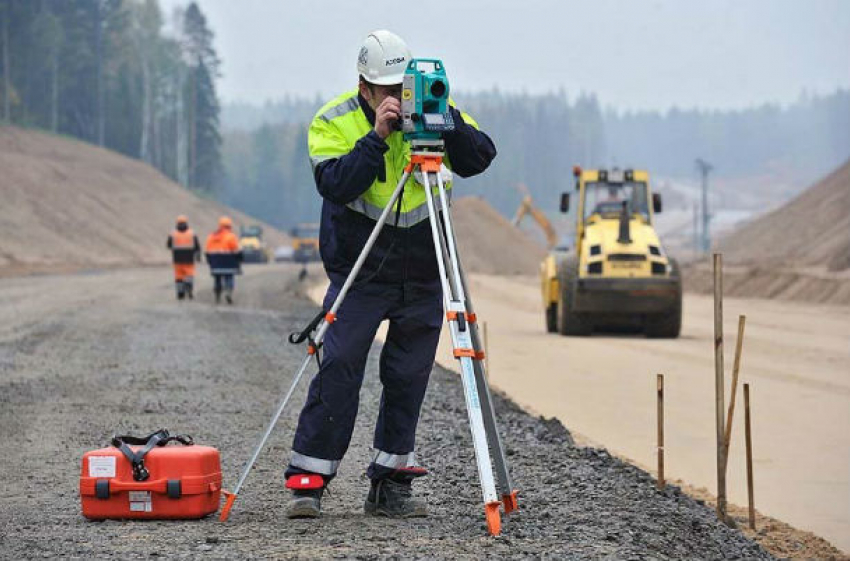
[(85, 356)]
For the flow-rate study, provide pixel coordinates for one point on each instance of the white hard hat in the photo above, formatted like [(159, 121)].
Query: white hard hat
[(383, 58)]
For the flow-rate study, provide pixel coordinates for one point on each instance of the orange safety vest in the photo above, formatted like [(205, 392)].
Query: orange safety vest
[(222, 241), (184, 246), (223, 254)]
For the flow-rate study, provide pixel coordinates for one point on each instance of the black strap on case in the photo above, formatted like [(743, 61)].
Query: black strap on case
[(148, 443)]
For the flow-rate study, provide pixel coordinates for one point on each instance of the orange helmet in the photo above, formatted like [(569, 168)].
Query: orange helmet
[(182, 219), (225, 222)]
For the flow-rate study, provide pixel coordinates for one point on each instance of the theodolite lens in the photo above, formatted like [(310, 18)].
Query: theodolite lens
[(438, 89)]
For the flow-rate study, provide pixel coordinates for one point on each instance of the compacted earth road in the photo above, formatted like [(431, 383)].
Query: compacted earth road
[(89, 355)]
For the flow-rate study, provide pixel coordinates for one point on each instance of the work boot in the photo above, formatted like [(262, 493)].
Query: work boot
[(179, 295), (305, 503), (189, 293), (393, 497), (229, 297), (306, 499)]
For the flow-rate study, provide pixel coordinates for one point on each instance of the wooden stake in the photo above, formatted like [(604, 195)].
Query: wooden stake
[(735, 369), (661, 481), (718, 385), (749, 439)]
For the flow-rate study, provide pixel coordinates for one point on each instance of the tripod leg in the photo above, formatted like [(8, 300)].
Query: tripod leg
[(231, 497), (509, 498), (320, 334), (509, 494), (463, 351)]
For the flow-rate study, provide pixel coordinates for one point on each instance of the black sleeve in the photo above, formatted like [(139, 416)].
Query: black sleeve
[(343, 179), (470, 151), (168, 243)]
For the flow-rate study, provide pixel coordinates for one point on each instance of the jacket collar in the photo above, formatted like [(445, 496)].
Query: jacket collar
[(367, 111)]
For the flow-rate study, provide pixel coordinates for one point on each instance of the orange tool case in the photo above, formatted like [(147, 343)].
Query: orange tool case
[(145, 478)]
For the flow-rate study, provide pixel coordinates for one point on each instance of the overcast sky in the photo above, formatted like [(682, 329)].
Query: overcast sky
[(632, 53)]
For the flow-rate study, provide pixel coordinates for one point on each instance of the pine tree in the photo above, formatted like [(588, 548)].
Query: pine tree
[(203, 107)]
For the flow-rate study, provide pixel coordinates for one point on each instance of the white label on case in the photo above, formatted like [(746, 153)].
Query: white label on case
[(101, 466), (140, 501)]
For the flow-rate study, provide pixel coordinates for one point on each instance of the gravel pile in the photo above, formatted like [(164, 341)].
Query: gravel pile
[(138, 361)]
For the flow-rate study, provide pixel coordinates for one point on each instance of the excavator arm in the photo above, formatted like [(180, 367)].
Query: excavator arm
[(527, 207)]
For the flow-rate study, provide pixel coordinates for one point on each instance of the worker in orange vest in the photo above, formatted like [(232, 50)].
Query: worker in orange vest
[(224, 257), (185, 250)]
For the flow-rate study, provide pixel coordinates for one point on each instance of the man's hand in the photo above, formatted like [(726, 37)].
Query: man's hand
[(386, 116)]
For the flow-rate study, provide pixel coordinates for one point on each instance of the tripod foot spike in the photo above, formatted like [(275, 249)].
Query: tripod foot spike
[(494, 520), (230, 498), (510, 502)]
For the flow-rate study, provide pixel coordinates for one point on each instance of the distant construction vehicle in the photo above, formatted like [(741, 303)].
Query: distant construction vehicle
[(526, 206), (251, 242), (617, 273), (305, 243)]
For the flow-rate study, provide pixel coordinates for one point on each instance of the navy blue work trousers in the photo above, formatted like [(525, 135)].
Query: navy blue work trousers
[(327, 420), (225, 282)]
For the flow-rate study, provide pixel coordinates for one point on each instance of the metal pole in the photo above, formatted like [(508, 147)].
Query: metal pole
[(704, 167), (660, 388), (706, 235), (735, 369), (696, 239), (749, 439), (718, 385)]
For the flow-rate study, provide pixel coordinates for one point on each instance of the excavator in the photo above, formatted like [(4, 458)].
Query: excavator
[(526, 207)]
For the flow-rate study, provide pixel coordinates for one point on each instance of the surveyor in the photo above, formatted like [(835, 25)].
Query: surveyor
[(185, 250), (358, 156), (224, 258)]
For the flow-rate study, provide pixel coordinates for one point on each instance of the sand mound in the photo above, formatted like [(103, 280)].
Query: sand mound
[(816, 286), (800, 251), (813, 229), (68, 205), (490, 244)]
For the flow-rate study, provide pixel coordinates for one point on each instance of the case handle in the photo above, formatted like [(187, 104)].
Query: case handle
[(170, 487)]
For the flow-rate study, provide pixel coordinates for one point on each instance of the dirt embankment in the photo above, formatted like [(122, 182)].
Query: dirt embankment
[(488, 242), (800, 251), (811, 230), (70, 205)]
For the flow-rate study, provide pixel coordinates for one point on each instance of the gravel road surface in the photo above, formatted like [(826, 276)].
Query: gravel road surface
[(85, 356)]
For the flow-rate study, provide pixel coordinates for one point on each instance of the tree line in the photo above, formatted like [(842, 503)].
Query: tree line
[(540, 138), (120, 74), (807, 138), (108, 72)]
